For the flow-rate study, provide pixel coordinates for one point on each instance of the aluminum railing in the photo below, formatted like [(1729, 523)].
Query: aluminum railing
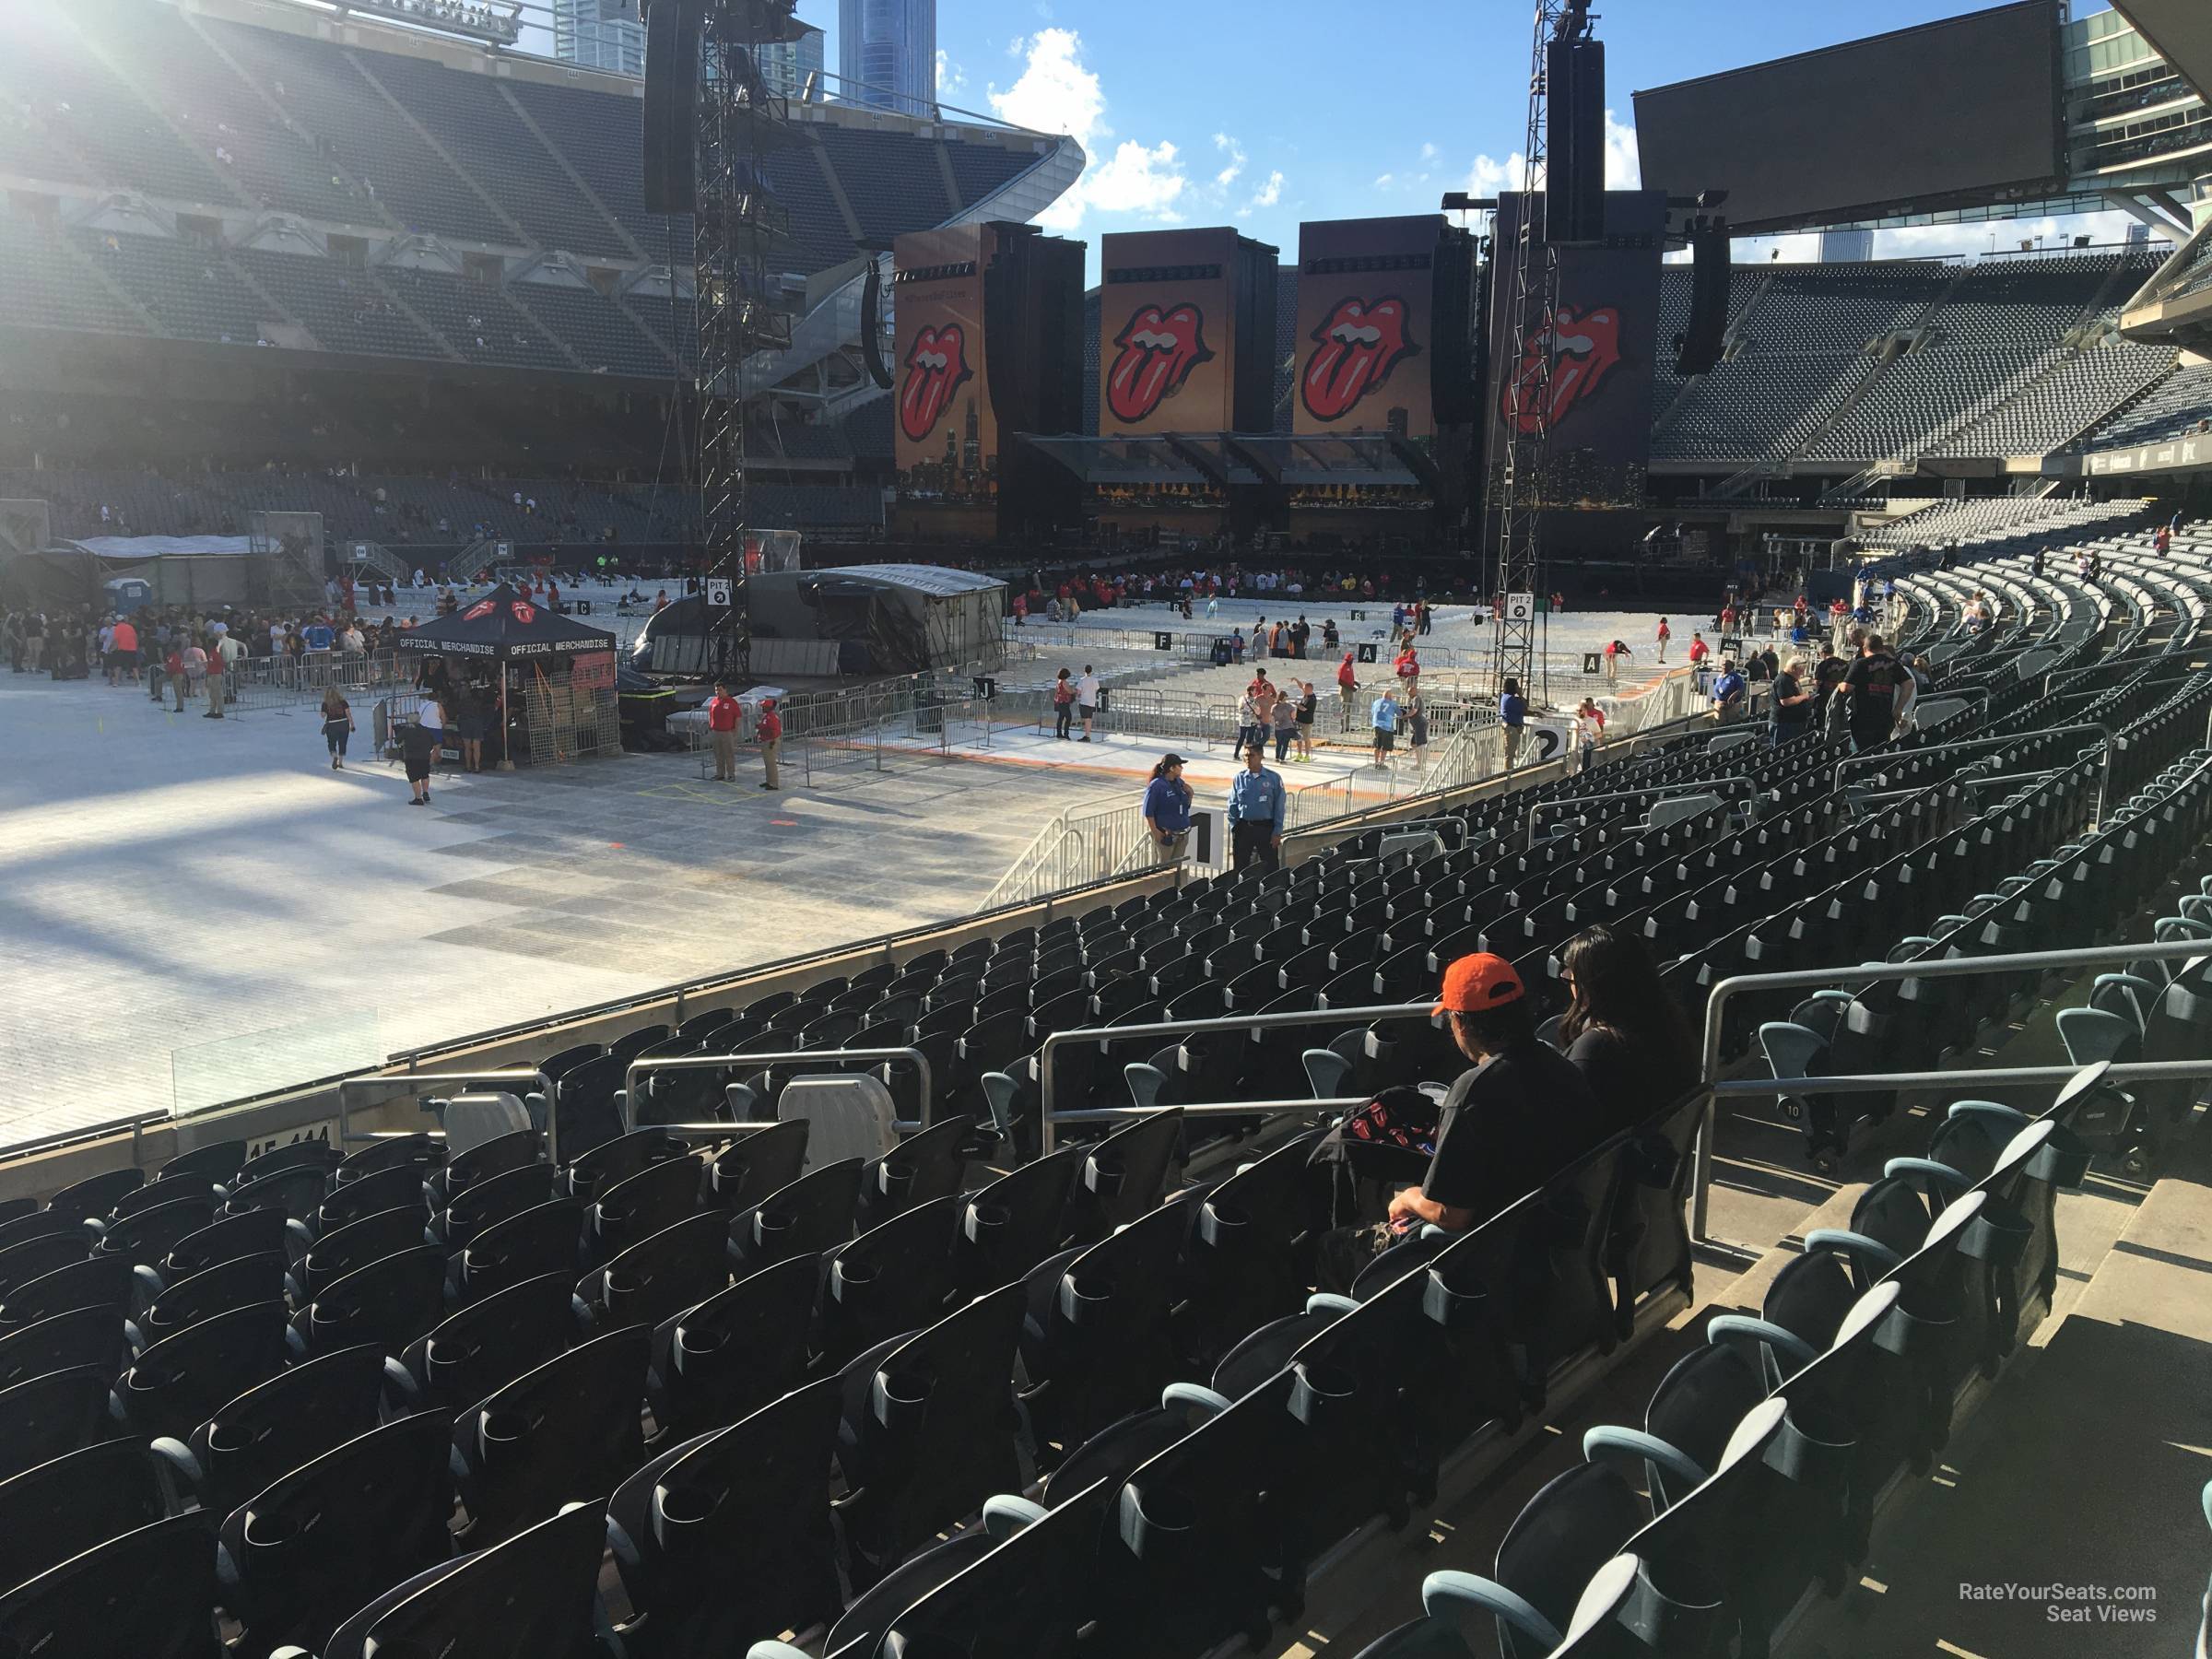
[(2104, 768), (411, 1080), (1050, 1118), (838, 1058), (1657, 792), (1868, 973)]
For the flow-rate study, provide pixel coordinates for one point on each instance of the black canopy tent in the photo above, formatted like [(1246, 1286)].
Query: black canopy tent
[(503, 628)]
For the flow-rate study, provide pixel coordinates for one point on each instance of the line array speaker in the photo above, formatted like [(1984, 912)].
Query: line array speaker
[(671, 159)]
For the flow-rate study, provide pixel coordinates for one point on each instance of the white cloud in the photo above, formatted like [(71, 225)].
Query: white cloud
[(1058, 92), (1427, 152), (1623, 172), (1235, 164), (1384, 180), (1490, 176), (1266, 195), (951, 77)]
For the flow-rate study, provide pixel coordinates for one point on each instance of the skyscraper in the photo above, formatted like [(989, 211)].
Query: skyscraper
[(786, 65), (887, 54), (580, 38)]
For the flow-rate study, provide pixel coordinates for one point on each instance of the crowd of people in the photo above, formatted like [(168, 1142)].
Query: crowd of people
[(1063, 595)]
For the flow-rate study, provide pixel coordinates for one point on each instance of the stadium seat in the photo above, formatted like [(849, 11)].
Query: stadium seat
[(238, 1283), (532, 1594), (572, 1425), (928, 1430), (897, 1276), (488, 1344), (149, 1592), (809, 1215), (331, 1534), (176, 1385), (661, 1275), (728, 1356), (294, 1418), (727, 1537), (79, 1501), (545, 1238), (388, 1303)]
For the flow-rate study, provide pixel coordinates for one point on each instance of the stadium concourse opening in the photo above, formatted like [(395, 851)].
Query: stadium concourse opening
[(1106, 1087)]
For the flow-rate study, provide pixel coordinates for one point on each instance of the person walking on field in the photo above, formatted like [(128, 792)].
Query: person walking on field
[(1384, 717), (418, 747), (1666, 633), (1167, 810), (337, 725), (1513, 720), (768, 729), (1284, 718), (1347, 684), (721, 733), (1307, 704)]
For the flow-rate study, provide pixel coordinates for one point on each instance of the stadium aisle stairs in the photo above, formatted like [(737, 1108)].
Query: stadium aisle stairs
[(2082, 1469)]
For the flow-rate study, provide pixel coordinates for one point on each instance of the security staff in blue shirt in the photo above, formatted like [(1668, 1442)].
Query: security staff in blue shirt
[(1167, 810), (1257, 807)]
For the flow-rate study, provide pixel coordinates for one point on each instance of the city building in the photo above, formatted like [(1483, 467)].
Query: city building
[(786, 65), (887, 54), (580, 37)]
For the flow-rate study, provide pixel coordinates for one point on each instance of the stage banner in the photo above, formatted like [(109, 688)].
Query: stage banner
[(1367, 326), (946, 439), (1168, 332), (1602, 343)]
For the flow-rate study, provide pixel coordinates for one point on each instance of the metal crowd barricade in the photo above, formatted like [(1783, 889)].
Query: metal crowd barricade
[(1049, 1117), (839, 1057), (2104, 768), (1866, 973)]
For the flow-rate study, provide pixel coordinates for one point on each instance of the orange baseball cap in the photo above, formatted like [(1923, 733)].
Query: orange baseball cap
[(1475, 982)]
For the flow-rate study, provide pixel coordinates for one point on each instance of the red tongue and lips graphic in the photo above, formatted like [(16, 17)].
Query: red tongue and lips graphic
[(1584, 350), (935, 367), (1158, 350), (1354, 352)]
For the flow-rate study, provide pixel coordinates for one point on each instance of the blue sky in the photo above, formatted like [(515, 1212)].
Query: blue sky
[(1208, 112)]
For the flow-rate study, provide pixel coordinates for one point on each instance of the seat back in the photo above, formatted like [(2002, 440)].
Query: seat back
[(324, 1537), (727, 1537), (97, 1281), (813, 1214), (895, 1277), (1011, 1225), (83, 1336), (149, 1593), (389, 1302), (1124, 1175), (491, 1199), (1240, 1264), (378, 1188), (657, 1196), (732, 1353), (1027, 1598), (1563, 1535), (357, 1243), (179, 1382), (663, 1273), (571, 1426), (290, 1420), (531, 1595), (79, 1501), (929, 1429), (542, 1239), (237, 1283), (925, 1166), (490, 1343), (762, 1162)]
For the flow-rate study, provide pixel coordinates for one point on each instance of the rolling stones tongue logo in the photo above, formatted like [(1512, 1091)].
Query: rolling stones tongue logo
[(1156, 350), (935, 367), (1354, 352), (1584, 350)]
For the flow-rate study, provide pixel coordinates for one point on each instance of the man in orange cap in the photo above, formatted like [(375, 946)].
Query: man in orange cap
[(1507, 1126)]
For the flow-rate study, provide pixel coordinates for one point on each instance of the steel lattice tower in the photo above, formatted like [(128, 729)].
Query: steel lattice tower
[(1533, 291), (736, 226)]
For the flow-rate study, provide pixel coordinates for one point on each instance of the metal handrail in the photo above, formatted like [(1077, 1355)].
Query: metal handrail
[(507, 1074), (662, 1063), (1656, 792), (1872, 973), (2135, 1071), (2104, 768), (1372, 1015), (1239, 1108)]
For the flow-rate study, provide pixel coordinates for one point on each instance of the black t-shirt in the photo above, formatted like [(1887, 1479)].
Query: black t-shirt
[(1627, 1082), (1871, 684), (1510, 1125), (417, 743), (1785, 685)]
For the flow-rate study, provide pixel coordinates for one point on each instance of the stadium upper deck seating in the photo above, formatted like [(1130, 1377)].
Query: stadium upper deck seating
[(2166, 410), (50, 285), (191, 291), (1814, 369)]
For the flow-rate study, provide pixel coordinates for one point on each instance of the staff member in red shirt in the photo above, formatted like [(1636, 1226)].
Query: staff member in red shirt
[(769, 728), (722, 731)]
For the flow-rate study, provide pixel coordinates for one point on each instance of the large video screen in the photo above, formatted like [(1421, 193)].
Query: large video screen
[(1958, 108)]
